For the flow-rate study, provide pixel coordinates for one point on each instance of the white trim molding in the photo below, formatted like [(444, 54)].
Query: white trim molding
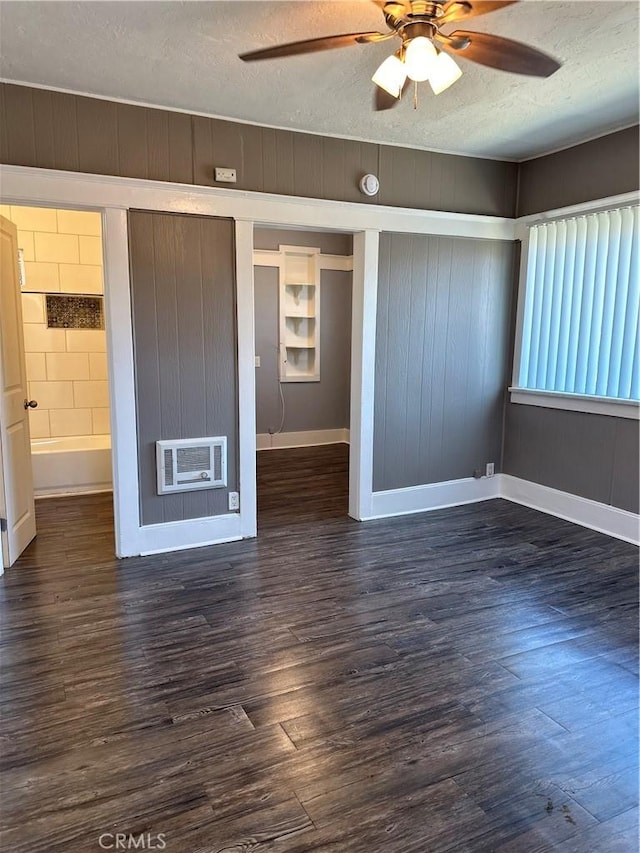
[(434, 496), (124, 433), (364, 300), (595, 206), (273, 258), (190, 533), (29, 185), (246, 378), (610, 406), (615, 522), (304, 438)]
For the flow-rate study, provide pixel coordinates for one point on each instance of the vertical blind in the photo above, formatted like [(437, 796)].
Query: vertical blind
[(582, 304)]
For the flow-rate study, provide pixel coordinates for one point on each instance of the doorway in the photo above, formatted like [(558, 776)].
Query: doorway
[(303, 318), (61, 295)]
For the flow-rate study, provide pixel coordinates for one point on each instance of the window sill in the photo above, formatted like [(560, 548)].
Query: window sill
[(577, 403)]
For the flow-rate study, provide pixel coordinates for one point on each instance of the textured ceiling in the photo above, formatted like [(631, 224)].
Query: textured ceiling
[(184, 55)]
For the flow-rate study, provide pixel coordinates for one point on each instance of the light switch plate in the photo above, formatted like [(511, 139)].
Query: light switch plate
[(257, 361)]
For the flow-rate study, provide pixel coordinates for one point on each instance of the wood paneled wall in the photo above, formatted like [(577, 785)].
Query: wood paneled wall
[(603, 167), (183, 295), (442, 357), (52, 130), (594, 456)]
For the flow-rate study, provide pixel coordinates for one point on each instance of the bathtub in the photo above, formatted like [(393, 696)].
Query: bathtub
[(68, 466)]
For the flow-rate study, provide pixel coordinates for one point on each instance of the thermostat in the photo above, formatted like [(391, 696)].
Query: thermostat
[(369, 184)]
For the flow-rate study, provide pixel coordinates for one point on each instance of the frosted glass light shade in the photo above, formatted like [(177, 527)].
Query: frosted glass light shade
[(444, 73), (391, 76), (420, 58)]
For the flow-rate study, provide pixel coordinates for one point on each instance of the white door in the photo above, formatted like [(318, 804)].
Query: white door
[(17, 509)]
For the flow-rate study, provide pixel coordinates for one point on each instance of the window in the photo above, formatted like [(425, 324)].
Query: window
[(581, 308)]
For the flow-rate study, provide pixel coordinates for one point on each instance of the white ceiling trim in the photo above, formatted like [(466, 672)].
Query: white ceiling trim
[(30, 185)]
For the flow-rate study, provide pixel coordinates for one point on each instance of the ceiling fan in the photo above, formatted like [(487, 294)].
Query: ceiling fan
[(424, 50)]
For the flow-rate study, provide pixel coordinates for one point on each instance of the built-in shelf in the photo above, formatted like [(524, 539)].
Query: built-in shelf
[(299, 314)]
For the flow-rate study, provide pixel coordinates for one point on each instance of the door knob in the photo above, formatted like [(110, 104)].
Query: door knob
[(31, 404)]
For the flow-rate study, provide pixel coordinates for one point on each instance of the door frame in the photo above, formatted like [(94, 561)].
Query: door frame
[(113, 197), (363, 337)]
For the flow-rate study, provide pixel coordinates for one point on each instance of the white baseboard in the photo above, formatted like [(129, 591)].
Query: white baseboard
[(433, 496), (200, 532), (597, 516), (192, 533), (306, 438), (70, 491)]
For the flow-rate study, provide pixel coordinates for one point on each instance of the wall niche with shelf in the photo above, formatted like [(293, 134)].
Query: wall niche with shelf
[(299, 314)]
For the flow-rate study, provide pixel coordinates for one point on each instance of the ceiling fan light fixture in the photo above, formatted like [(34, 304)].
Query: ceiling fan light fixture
[(444, 73), (391, 76), (420, 57)]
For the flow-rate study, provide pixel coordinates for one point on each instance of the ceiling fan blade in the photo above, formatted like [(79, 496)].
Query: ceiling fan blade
[(394, 11), (459, 11), (503, 54), (313, 45)]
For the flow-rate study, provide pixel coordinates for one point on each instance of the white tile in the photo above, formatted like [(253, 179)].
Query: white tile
[(91, 394), (34, 218), (57, 248), (33, 308), (79, 222), (39, 423), (91, 250), (70, 422), (36, 366), (80, 278), (101, 424), (25, 242), (52, 395), (98, 365), (38, 338), (86, 340), (67, 365), (41, 276)]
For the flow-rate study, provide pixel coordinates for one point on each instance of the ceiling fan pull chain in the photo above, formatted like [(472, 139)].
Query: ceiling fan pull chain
[(415, 96)]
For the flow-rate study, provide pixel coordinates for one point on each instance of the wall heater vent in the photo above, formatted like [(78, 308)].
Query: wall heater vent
[(191, 463)]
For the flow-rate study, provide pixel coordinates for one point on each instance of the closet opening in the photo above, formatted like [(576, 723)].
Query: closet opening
[(303, 317)]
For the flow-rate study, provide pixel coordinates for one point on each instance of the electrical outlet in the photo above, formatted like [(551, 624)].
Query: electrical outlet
[(234, 500), (256, 361), (225, 176), (490, 470)]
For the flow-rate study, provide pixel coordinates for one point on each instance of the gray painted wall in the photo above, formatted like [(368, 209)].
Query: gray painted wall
[(442, 357), (593, 456), (53, 130), (308, 405), (597, 169), (183, 298)]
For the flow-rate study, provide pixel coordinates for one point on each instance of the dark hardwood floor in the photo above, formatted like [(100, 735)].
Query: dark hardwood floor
[(464, 680)]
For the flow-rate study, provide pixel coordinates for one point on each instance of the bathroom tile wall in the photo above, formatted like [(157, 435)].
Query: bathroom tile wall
[(66, 368)]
